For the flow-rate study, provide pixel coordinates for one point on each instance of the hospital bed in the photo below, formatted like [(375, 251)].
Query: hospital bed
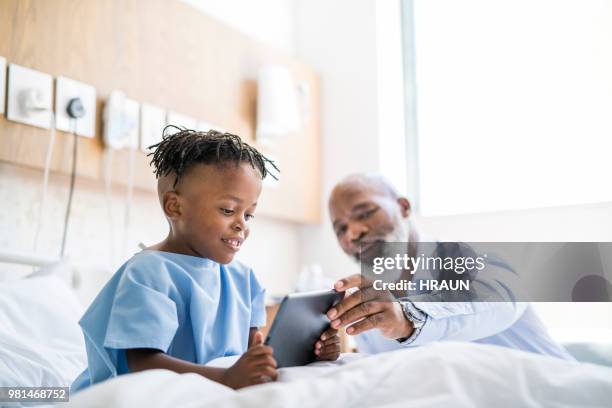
[(42, 345)]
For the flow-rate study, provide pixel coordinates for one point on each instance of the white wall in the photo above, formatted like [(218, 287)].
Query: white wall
[(355, 45), (268, 21), (391, 110), (590, 222), (338, 38)]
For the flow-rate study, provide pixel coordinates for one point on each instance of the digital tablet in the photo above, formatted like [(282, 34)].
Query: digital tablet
[(299, 323)]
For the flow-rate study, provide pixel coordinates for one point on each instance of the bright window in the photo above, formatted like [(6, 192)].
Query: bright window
[(513, 103)]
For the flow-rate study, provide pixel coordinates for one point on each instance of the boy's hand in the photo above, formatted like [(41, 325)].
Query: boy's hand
[(252, 367), (328, 345)]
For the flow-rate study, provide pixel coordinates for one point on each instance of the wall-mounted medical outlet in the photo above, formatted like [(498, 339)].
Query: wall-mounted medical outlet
[(180, 120), (29, 96), (65, 90), (152, 123), (132, 112), (121, 121), (2, 83)]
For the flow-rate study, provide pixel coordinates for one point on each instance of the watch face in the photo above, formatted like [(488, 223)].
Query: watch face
[(418, 324), (416, 317)]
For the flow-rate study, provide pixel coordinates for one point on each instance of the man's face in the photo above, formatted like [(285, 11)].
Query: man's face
[(216, 205), (364, 216)]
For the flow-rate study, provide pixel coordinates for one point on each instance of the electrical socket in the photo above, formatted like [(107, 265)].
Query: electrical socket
[(152, 123), (29, 96), (65, 90), (180, 120), (2, 83)]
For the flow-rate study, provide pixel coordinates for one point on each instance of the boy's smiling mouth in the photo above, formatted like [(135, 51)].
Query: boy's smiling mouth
[(233, 243)]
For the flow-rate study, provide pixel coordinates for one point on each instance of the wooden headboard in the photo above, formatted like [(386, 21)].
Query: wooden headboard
[(165, 53)]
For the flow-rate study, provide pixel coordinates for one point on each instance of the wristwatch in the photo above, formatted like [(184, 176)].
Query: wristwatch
[(415, 316)]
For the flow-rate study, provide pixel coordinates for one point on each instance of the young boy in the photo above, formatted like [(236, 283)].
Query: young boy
[(184, 302)]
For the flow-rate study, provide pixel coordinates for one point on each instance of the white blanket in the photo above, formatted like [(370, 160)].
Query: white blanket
[(438, 375)]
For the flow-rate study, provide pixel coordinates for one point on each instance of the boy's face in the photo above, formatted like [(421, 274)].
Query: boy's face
[(214, 204)]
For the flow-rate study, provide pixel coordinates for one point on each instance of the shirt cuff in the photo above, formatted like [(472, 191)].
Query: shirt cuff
[(412, 314), (408, 341), (432, 330)]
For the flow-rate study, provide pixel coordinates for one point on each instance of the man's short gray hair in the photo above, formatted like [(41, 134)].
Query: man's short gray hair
[(373, 180)]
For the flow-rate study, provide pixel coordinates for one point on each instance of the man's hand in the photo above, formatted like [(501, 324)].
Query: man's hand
[(328, 345), (374, 308), (252, 367)]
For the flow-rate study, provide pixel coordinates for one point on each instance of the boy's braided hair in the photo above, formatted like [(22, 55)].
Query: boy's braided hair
[(180, 150)]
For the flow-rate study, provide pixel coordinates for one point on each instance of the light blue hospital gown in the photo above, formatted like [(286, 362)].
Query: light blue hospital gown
[(189, 307)]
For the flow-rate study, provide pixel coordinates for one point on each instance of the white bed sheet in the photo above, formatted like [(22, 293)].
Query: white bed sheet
[(438, 375)]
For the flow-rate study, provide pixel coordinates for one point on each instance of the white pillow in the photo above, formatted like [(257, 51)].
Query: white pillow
[(41, 343)]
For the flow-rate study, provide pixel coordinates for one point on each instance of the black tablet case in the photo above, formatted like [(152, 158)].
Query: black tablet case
[(299, 323)]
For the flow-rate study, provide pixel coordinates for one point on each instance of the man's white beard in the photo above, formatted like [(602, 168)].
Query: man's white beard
[(399, 234)]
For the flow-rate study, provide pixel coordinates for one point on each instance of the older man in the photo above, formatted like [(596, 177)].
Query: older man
[(366, 209)]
